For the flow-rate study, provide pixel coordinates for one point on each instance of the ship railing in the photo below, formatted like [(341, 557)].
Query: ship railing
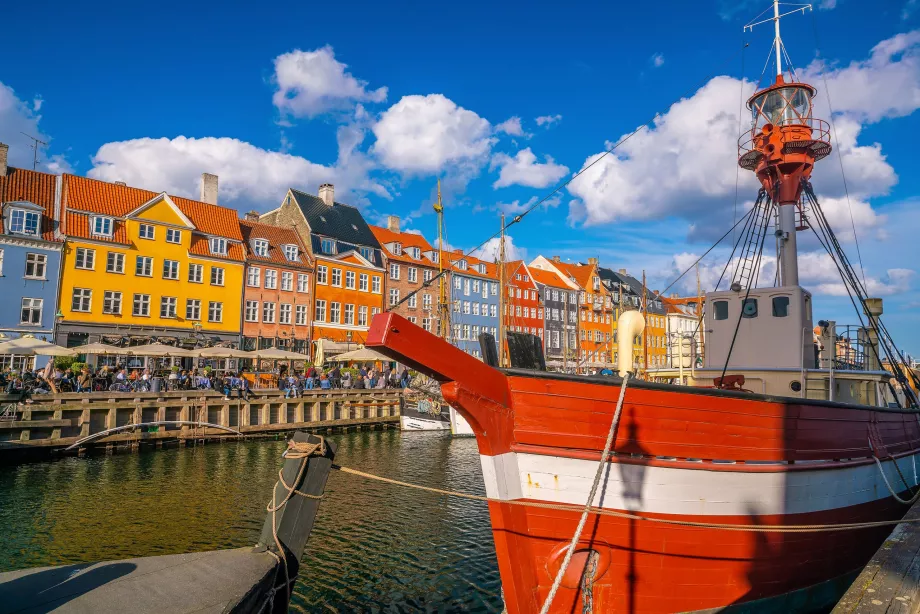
[(851, 351), (810, 133)]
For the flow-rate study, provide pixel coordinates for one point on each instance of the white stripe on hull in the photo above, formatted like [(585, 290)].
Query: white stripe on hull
[(691, 491), (417, 424)]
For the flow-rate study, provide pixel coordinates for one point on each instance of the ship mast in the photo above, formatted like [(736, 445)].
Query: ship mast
[(783, 144), (501, 298), (443, 306)]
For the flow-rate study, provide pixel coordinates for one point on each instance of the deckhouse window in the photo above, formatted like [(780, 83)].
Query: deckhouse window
[(749, 308), (290, 252), (24, 222), (780, 306), (218, 246), (720, 310), (260, 247), (102, 226)]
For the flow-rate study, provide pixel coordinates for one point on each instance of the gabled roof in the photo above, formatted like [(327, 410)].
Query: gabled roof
[(200, 247), (341, 222), (276, 237), (456, 256), (513, 267), (581, 273), (633, 285), (101, 197), (406, 239), (77, 225), (549, 278), (31, 186)]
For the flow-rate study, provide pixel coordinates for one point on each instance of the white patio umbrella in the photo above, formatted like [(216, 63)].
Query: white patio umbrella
[(320, 355), (30, 346), (98, 349), (218, 352), (278, 354), (159, 350), (361, 354)]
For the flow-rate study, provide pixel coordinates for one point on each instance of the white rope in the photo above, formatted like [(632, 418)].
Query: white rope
[(584, 515), (910, 501)]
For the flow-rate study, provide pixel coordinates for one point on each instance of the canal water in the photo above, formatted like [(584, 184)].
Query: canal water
[(375, 547)]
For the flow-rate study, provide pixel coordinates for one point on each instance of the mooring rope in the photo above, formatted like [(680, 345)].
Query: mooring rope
[(881, 470), (296, 450), (557, 581)]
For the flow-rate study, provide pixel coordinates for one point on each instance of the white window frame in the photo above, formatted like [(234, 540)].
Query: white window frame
[(291, 252), (101, 226), (284, 313), (254, 277), (349, 314), (335, 279), (88, 260), (142, 301), (171, 267), (215, 311), (38, 261), (195, 273), (300, 315), (146, 231), (35, 305), (217, 277), (111, 302), (218, 246), (173, 235), (24, 225), (115, 262), (303, 283), (85, 294), (335, 312), (260, 247), (169, 307), (193, 309), (268, 312), (271, 279), (375, 285), (319, 311), (287, 281), (143, 266), (350, 280), (322, 274), (251, 311)]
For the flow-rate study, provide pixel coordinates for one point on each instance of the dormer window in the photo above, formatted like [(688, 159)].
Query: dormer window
[(260, 247), (367, 253), (328, 246), (397, 249), (290, 252), (482, 269), (462, 265), (415, 252), (25, 222), (102, 226), (218, 246)]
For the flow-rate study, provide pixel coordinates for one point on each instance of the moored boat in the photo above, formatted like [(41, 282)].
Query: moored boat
[(818, 440)]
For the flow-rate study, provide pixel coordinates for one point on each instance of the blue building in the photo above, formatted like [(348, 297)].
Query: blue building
[(30, 255), (474, 298)]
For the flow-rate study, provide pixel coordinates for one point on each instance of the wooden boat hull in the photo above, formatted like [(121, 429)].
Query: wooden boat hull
[(681, 454)]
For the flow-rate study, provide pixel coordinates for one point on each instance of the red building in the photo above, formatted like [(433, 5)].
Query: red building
[(277, 290), (523, 311)]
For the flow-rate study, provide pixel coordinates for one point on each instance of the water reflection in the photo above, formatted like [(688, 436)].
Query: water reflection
[(374, 548)]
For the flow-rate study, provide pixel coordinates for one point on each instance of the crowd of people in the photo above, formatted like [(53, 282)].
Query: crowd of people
[(294, 383), (121, 379)]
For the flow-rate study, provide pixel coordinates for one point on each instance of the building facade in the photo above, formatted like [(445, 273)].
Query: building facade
[(30, 255), (349, 267), (140, 266), (626, 291), (522, 311), (474, 300), (558, 297), (411, 264), (278, 295)]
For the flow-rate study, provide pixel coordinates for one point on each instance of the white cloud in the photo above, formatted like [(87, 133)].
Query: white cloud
[(548, 120), (18, 116), (657, 60), (684, 164), (511, 126), (491, 249), (523, 169), (312, 82), (427, 134), (249, 175), (516, 207)]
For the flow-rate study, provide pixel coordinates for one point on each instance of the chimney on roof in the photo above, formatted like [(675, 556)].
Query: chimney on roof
[(393, 223), (592, 261), (327, 193), (557, 259), (122, 183), (675, 295), (208, 188), (4, 154), (458, 251), (252, 216), (622, 271)]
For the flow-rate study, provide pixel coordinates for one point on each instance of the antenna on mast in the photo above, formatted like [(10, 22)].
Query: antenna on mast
[(778, 41), (35, 143)]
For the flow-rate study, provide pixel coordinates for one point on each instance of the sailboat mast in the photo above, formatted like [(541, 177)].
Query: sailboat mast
[(443, 307), (501, 297)]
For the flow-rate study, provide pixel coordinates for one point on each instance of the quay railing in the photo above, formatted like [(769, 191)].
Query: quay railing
[(55, 421)]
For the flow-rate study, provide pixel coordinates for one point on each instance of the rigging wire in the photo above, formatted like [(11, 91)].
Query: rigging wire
[(520, 217), (846, 189), (740, 114)]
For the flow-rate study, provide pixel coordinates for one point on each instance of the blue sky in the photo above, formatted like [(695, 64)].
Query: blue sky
[(384, 98)]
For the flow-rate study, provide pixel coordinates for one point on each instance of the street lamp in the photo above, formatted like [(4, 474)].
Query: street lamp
[(348, 339)]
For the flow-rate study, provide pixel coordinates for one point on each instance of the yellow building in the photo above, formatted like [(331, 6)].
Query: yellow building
[(140, 266)]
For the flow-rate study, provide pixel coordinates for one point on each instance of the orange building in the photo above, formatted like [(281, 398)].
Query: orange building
[(412, 266), (523, 311), (278, 292), (595, 312), (349, 266)]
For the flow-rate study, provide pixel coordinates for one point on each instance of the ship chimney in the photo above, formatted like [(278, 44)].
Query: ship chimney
[(393, 223), (592, 261), (252, 216), (4, 155), (208, 188), (327, 194)]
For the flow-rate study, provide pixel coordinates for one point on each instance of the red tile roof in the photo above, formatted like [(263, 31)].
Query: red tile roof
[(32, 186), (406, 239), (77, 224), (581, 273), (457, 255), (548, 278), (200, 247), (84, 194), (276, 237)]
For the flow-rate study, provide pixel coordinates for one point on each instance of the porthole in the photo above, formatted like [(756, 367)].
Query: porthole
[(796, 386)]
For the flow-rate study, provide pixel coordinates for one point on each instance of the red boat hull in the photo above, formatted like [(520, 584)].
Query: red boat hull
[(681, 454)]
